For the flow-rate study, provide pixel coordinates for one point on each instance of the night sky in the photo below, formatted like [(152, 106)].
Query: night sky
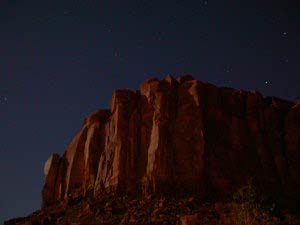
[(61, 60)]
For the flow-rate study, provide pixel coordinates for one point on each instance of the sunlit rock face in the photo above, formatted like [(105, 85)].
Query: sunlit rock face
[(74, 173), (181, 137)]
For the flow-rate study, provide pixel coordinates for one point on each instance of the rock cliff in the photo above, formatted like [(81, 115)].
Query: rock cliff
[(181, 137)]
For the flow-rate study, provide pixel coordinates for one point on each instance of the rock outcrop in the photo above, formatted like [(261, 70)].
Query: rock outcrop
[(181, 138)]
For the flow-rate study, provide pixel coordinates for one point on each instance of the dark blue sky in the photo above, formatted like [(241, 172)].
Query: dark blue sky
[(61, 60)]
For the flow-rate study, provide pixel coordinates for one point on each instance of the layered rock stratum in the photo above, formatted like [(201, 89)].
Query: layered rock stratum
[(177, 139)]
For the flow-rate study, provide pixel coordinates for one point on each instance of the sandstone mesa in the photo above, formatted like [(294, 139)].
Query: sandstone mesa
[(180, 138)]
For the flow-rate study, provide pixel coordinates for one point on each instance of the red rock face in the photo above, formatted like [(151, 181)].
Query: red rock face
[(74, 173), (51, 171), (181, 137), (292, 153)]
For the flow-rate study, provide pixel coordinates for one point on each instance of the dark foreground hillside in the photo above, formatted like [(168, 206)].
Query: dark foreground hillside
[(243, 210)]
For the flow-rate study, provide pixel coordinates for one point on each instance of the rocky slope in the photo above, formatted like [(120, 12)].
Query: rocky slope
[(178, 138)]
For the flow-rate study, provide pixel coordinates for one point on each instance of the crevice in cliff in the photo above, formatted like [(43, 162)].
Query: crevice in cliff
[(275, 133), (76, 181), (210, 192), (283, 125)]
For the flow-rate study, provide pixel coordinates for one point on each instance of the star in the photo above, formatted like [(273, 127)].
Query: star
[(228, 69), (284, 34), (267, 82), (67, 12), (284, 59), (3, 100)]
